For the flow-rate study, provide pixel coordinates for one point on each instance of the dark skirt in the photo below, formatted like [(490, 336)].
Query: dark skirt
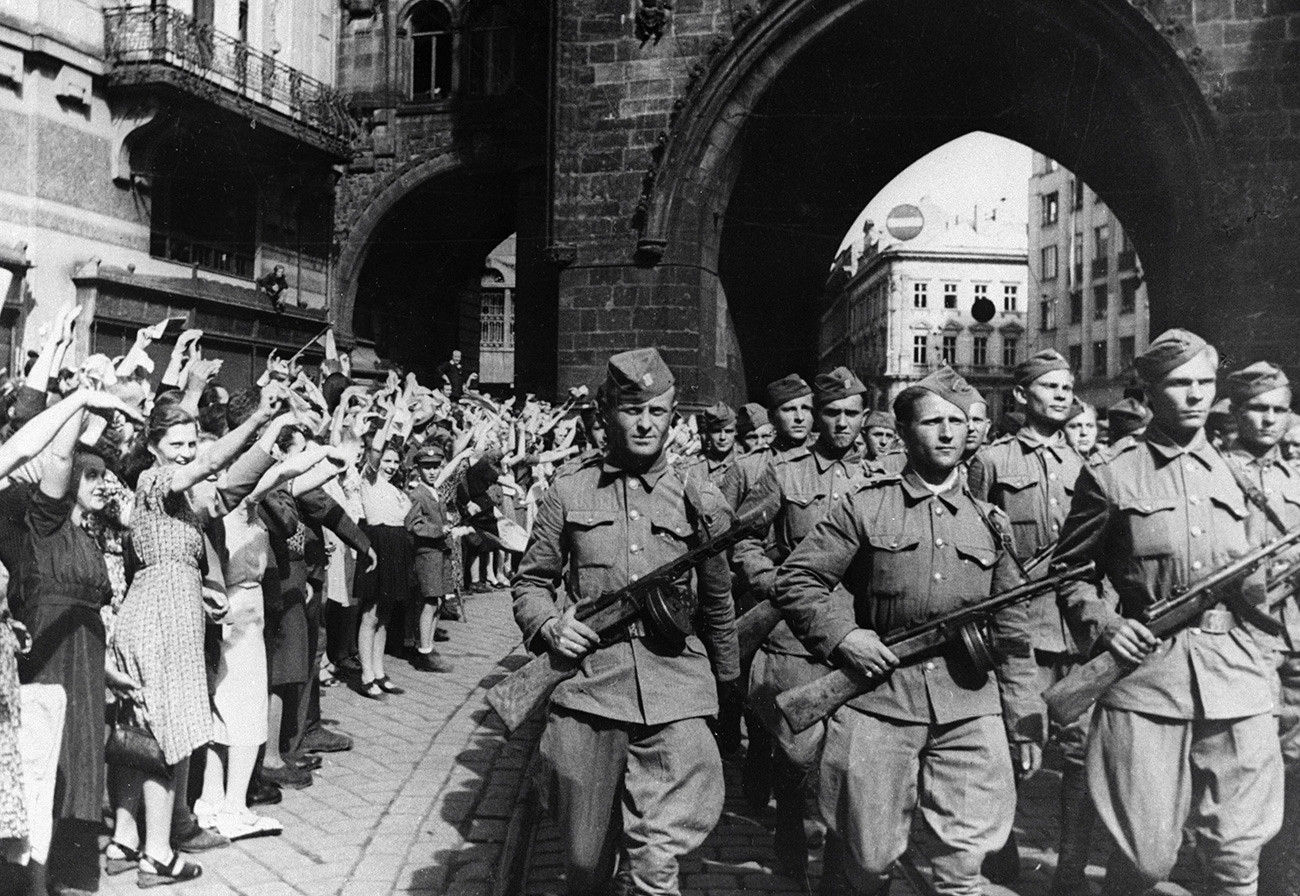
[(434, 575), (386, 586), (288, 648), (68, 646)]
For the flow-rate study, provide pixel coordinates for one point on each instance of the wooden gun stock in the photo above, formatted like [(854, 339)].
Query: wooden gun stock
[(523, 691), (1070, 697)]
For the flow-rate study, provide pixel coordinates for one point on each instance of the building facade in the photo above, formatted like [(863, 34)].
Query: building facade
[(162, 159), (1089, 295), (896, 310)]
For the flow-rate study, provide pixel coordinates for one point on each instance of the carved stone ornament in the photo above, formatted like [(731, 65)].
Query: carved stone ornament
[(652, 19)]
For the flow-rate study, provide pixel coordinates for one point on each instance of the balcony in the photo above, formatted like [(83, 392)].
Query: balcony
[(162, 46)]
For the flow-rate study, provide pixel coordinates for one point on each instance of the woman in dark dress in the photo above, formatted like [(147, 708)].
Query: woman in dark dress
[(60, 585)]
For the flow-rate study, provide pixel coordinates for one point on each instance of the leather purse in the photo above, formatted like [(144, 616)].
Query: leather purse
[(131, 744)]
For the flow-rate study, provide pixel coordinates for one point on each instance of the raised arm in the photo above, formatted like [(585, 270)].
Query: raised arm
[(56, 478), (226, 448), (41, 430), (285, 470)]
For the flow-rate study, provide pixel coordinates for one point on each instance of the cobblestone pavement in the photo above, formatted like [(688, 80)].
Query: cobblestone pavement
[(420, 805)]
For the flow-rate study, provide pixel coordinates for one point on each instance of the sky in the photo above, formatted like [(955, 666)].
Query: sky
[(978, 169)]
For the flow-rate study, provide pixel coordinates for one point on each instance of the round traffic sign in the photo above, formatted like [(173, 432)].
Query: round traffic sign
[(904, 222)]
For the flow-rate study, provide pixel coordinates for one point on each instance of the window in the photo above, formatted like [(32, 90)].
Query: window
[(1010, 345), (1051, 208), (949, 349), (1100, 303), (1099, 358), (920, 345), (496, 321), (1076, 259), (1128, 296), (1047, 313), (1076, 307), (1127, 352), (980, 351), (981, 291), (950, 295), (919, 294), (491, 57), (1076, 189), (431, 51), (1047, 263), (1010, 296), (1076, 357), (1101, 241)]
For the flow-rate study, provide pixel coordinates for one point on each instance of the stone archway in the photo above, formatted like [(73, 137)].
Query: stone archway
[(815, 106)]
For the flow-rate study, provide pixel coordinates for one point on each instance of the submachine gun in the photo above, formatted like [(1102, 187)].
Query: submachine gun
[(654, 598), (1070, 697), (967, 626)]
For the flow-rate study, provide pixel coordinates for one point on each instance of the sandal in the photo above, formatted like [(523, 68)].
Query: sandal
[(153, 873), (128, 859), (388, 687), (373, 690)]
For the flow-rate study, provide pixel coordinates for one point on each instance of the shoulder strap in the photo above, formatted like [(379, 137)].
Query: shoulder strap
[(694, 505), (1254, 495)]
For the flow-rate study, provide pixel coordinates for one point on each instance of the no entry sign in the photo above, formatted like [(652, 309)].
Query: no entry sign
[(904, 222)]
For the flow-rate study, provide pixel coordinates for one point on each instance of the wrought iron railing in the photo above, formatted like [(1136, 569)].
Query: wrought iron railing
[(137, 37)]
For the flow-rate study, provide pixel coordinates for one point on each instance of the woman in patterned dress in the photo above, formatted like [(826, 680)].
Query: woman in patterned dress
[(158, 638)]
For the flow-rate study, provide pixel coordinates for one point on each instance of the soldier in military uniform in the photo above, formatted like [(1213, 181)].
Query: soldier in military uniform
[(753, 429), (629, 760), (1261, 405), (933, 735), (1081, 430), (790, 411), (718, 448), (1031, 476), (1188, 738), (978, 423), (1126, 417), (808, 482), (879, 435)]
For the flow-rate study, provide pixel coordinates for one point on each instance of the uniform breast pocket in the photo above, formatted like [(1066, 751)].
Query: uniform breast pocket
[(1018, 496), (978, 556), (670, 531), (1151, 526), (893, 563), (594, 536), (803, 510)]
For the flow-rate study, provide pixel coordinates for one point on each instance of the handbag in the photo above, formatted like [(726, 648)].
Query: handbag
[(131, 744)]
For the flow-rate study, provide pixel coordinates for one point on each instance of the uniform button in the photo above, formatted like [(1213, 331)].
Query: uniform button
[(938, 511), (634, 514), (633, 484), (1193, 500), (835, 494), (1053, 501), (938, 542), (1189, 468), (1146, 508), (1195, 530), (838, 473), (634, 548), (893, 544), (1051, 476), (633, 577), (938, 577), (1197, 564), (929, 666), (1056, 527)]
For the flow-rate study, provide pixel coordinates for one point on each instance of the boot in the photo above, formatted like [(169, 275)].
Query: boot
[(1077, 819), (1003, 867), (1122, 879), (756, 775), (1279, 862), (790, 839)]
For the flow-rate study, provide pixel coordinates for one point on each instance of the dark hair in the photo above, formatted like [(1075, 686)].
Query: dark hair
[(168, 398), (242, 405), (211, 395), (83, 459), (212, 419), (285, 438), (333, 388), (905, 403), (163, 418)]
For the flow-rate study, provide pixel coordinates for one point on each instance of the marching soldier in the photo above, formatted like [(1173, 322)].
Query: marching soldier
[(1031, 476), (978, 422), (631, 763), (718, 448), (1126, 417), (1188, 738), (907, 548), (1081, 430), (790, 411), (1261, 401), (753, 429), (808, 481), (883, 455)]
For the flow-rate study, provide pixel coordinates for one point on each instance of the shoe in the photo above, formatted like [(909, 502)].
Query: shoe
[(153, 873), (306, 761), (119, 859), (285, 776), (453, 608), (192, 837), (428, 662), (348, 664), (320, 739), (205, 814), (388, 687), (372, 690), (246, 825), (439, 635), (263, 793)]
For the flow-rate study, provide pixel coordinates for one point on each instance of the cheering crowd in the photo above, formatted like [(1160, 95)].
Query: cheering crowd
[(190, 562)]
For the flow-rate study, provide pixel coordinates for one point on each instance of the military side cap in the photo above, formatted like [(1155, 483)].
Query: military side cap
[(1169, 350), (751, 417), (839, 383), (1077, 407), (787, 388), (881, 420), (1221, 408), (1039, 363), (637, 375), (1126, 416), (949, 385), (1256, 379), (429, 453), (717, 417)]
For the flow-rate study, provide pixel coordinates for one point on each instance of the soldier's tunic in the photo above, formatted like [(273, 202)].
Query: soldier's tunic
[(629, 732), (708, 469), (931, 736), (1188, 736)]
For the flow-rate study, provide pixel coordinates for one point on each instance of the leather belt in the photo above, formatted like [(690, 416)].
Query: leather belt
[(1218, 621)]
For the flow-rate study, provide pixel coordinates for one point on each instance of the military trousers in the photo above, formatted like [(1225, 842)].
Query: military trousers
[(1221, 778), (637, 795), (876, 772), (1279, 863)]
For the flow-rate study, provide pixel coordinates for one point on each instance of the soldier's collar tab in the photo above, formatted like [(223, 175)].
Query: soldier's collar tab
[(916, 490)]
